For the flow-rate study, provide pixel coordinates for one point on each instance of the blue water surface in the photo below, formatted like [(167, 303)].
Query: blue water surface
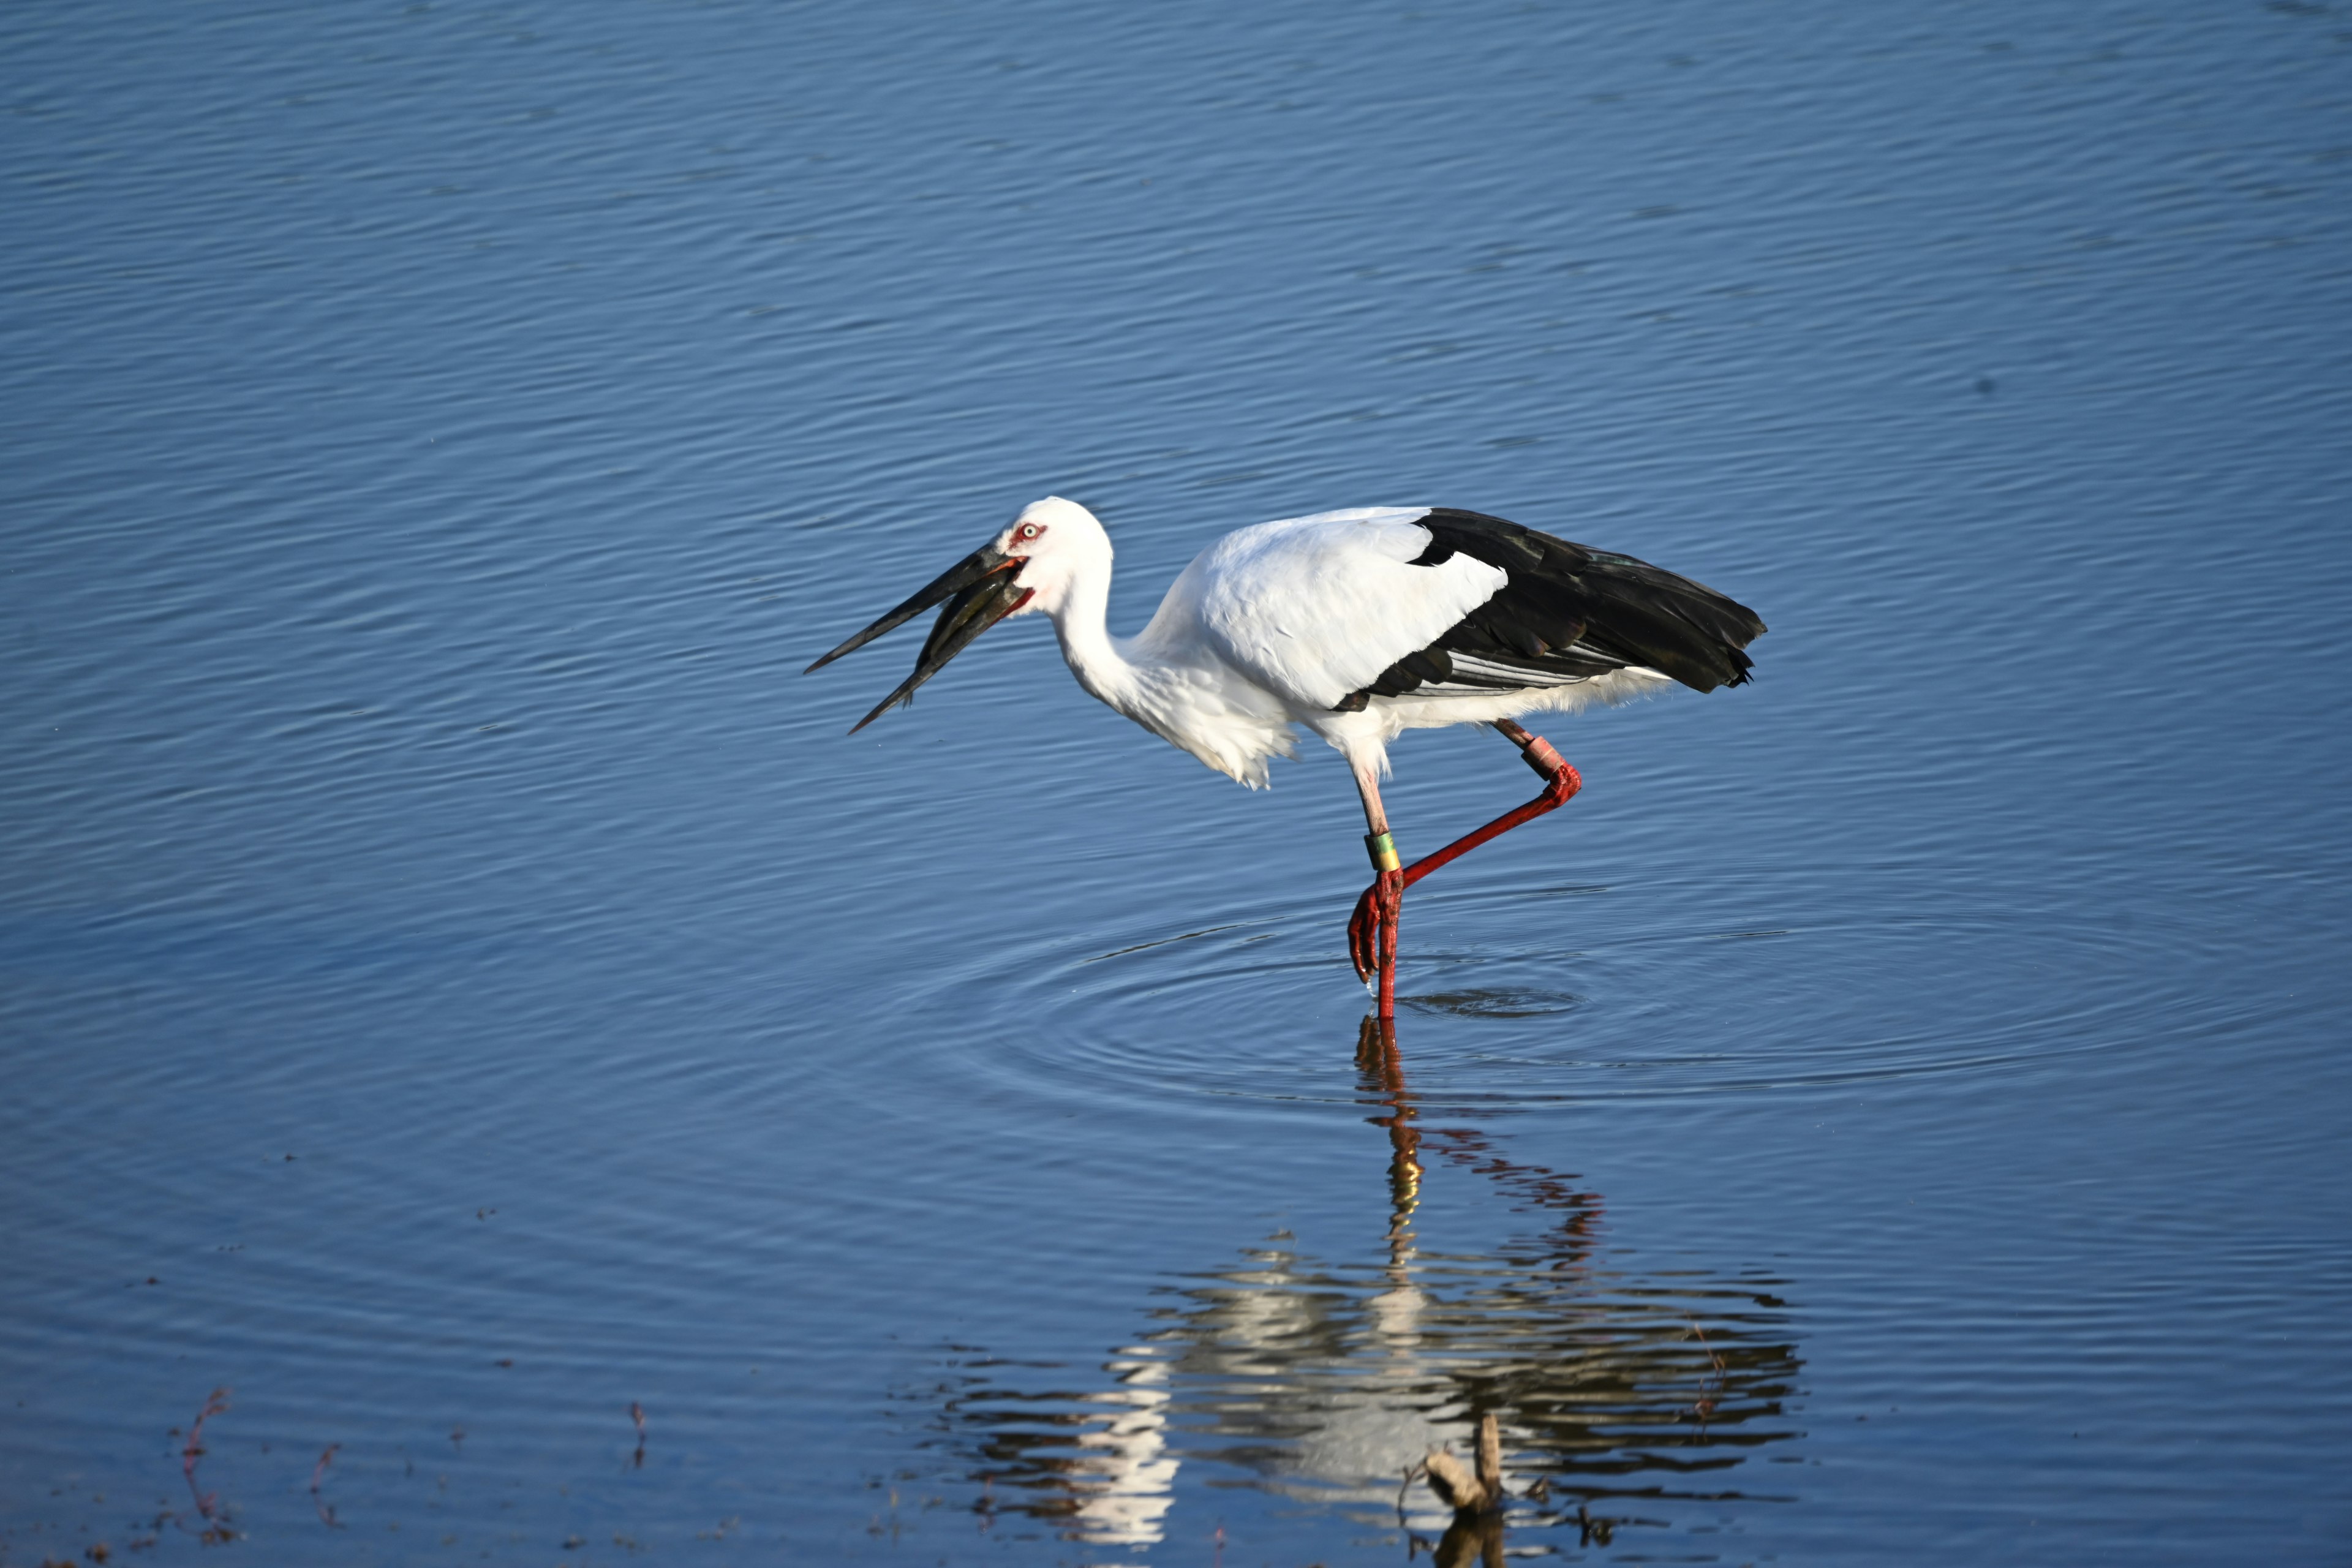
[(463, 995)]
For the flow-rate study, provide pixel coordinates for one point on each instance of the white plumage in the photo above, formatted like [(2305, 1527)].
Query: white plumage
[(1314, 607), (1271, 626), (1354, 625)]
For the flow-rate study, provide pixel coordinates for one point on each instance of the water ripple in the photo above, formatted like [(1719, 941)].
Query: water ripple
[(1754, 983)]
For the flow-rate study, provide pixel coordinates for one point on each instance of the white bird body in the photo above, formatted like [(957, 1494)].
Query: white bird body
[(1272, 627), (1356, 626)]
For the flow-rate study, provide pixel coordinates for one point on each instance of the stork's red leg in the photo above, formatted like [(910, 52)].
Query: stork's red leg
[(1372, 930), (1372, 933), (1561, 784)]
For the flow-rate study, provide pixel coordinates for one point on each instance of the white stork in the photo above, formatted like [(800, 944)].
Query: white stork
[(1358, 625)]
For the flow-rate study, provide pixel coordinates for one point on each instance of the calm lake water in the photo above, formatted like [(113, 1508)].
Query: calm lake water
[(463, 995)]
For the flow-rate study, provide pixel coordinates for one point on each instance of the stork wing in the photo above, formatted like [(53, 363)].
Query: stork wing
[(1570, 611), (1313, 609)]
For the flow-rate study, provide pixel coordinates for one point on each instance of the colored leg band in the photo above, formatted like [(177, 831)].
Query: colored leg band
[(1383, 848), (1540, 755)]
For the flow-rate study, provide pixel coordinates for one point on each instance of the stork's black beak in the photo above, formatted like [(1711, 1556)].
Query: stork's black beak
[(984, 594)]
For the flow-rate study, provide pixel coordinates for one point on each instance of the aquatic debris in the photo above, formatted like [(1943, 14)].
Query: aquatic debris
[(638, 1414), (208, 1509), (1454, 1484), (318, 1475), (1711, 1389), (1471, 1538)]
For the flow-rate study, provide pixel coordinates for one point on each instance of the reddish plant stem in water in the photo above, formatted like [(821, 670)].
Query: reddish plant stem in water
[(206, 1502), (1711, 1389), (318, 1477)]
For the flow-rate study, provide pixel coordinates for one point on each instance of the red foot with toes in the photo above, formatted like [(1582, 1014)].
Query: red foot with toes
[(1372, 929)]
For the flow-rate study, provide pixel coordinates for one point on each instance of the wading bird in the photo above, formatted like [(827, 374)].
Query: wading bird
[(1357, 626)]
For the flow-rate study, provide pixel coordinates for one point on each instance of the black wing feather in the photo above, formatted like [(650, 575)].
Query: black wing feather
[(1570, 611)]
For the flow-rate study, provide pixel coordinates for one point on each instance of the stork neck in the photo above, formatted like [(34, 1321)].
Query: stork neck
[(1087, 647)]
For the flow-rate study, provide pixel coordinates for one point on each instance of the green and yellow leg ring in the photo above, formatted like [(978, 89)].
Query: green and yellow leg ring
[(1384, 855)]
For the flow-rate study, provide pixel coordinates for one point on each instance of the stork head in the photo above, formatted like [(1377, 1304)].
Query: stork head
[(1057, 543), (1033, 564)]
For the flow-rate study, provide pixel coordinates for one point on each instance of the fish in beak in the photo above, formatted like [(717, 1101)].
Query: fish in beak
[(980, 591)]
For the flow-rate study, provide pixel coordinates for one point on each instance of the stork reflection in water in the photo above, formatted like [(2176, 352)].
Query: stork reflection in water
[(1355, 625), (1326, 1381)]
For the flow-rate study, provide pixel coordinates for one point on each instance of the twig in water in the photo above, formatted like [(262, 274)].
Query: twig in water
[(638, 1414), (1412, 1473), (1710, 1391), (207, 1503), (1454, 1481), (318, 1476)]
